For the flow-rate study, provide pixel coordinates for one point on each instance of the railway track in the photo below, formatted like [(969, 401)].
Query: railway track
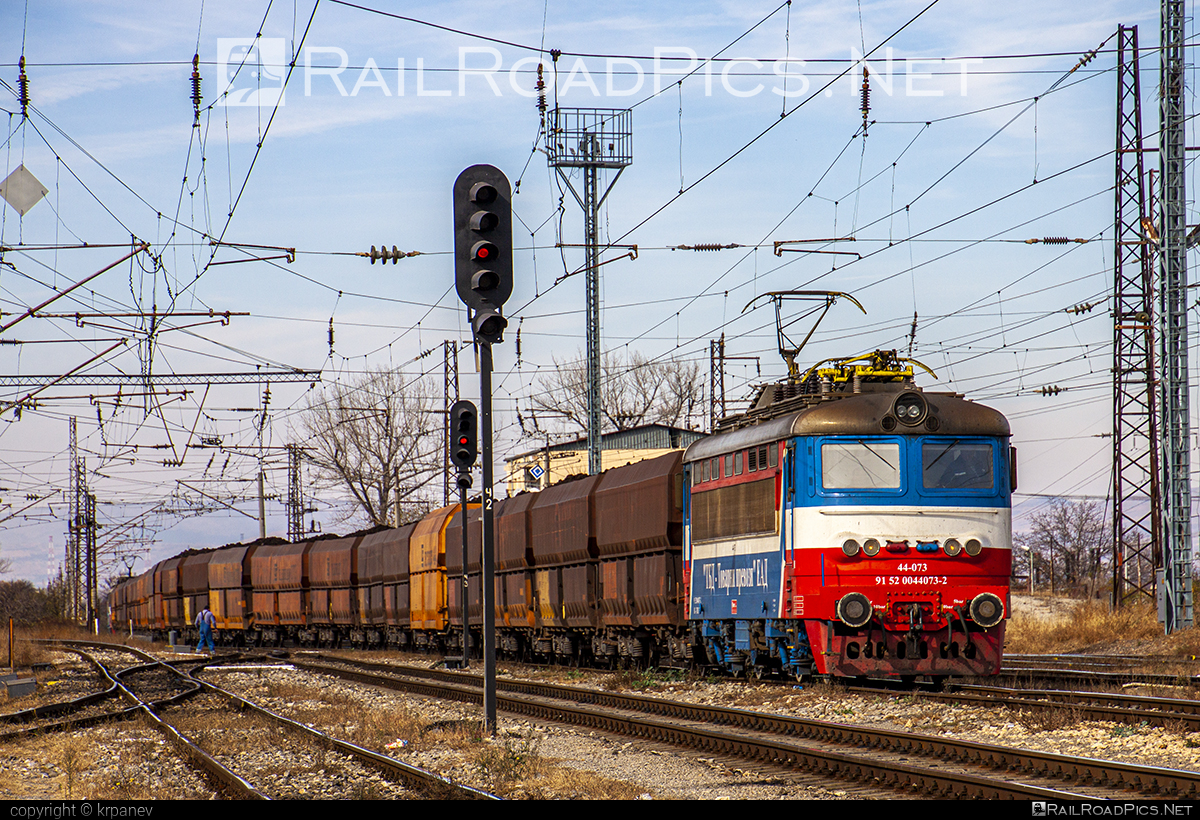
[(910, 763), (1103, 662), (100, 703), (1181, 713), (216, 730), (1058, 671)]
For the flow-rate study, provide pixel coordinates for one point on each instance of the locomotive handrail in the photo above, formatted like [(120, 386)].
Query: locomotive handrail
[(939, 511)]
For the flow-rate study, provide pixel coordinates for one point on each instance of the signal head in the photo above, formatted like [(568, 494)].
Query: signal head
[(464, 446), (483, 268)]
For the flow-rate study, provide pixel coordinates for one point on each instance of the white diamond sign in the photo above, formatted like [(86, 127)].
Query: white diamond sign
[(22, 190), (537, 472)]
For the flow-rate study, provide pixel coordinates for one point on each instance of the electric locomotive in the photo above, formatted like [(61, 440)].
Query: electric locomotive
[(852, 524)]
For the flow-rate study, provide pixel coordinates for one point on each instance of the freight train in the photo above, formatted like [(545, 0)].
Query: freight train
[(849, 524)]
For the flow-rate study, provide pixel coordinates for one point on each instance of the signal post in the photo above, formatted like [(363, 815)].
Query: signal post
[(464, 448), (483, 277)]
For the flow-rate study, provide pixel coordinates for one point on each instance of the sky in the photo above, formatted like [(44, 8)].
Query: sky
[(747, 130)]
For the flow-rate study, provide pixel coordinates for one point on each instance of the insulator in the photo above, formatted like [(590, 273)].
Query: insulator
[(1052, 390), (1055, 240), (705, 246), (382, 253), (331, 334), (866, 99), (196, 89), (541, 94), (22, 87)]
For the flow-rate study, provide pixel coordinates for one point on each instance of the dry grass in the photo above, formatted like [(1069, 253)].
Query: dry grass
[(561, 783), (823, 689), (24, 653), (509, 766), (377, 729), (124, 777), (1049, 720), (217, 731), (74, 758), (506, 763), (344, 716), (1089, 624), (513, 767), (643, 680), (295, 692)]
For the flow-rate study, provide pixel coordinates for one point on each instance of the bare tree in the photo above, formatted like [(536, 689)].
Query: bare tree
[(634, 389), (1067, 544), (24, 603), (376, 438)]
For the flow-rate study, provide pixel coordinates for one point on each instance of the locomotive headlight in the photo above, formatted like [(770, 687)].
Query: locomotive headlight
[(871, 547), (987, 609), (850, 547), (973, 547), (951, 547), (910, 408), (854, 609)]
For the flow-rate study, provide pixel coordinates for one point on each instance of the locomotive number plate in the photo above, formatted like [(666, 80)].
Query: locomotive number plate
[(912, 580)]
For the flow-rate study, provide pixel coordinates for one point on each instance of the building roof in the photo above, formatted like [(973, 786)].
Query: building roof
[(646, 437)]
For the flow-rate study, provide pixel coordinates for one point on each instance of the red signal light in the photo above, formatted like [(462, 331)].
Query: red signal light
[(484, 251)]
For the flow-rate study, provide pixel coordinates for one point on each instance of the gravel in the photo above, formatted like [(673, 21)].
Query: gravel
[(531, 760)]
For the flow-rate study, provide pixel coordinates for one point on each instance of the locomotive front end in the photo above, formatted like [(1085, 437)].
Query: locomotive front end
[(884, 550), (904, 536)]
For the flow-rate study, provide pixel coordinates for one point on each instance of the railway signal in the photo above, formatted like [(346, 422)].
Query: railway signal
[(464, 447), (483, 266), (483, 276)]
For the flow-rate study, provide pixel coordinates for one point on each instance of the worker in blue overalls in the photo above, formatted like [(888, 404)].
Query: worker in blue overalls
[(206, 622)]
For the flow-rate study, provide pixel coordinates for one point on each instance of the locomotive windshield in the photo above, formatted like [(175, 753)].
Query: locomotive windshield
[(860, 465), (945, 464), (957, 465)]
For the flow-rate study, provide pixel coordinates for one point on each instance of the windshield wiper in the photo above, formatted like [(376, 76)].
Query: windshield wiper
[(942, 453)]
